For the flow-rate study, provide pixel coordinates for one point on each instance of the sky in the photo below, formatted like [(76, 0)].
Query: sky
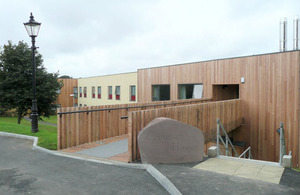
[(85, 38)]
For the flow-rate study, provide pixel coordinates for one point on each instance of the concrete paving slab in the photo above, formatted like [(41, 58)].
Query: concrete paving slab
[(107, 150), (246, 169)]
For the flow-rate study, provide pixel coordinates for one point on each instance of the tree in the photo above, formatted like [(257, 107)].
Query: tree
[(16, 81), (65, 77)]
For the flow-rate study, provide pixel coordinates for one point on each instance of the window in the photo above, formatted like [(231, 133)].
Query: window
[(84, 92), (80, 91), (132, 93), (75, 92), (99, 92), (93, 92), (190, 91), (118, 92), (110, 92), (160, 92)]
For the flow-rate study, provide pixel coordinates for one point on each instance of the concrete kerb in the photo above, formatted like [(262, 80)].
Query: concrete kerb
[(163, 180)]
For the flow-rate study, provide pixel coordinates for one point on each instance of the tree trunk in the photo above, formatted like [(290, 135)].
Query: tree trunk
[(19, 118)]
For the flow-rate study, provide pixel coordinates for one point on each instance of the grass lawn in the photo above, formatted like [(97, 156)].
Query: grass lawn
[(297, 169), (52, 119), (47, 134)]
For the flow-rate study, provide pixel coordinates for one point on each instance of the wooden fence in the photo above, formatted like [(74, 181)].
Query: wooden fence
[(80, 125), (203, 116)]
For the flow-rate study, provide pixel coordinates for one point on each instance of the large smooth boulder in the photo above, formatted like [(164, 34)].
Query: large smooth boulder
[(166, 140)]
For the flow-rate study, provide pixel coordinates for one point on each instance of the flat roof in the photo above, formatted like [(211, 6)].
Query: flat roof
[(220, 59), (107, 75)]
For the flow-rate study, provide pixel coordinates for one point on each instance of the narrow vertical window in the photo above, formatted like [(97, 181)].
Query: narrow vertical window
[(84, 91), (118, 92), (80, 91), (110, 92), (99, 92), (132, 93), (93, 92)]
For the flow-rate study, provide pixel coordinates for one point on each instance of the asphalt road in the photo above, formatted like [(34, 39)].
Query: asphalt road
[(195, 181), (27, 171)]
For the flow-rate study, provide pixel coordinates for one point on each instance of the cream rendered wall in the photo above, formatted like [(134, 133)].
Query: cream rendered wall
[(124, 80)]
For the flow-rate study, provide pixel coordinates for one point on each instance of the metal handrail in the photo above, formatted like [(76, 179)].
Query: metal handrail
[(227, 139), (129, 107), (244, 153)]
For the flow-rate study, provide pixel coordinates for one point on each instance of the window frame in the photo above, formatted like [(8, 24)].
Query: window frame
[(109, 90), (99, 94), (159, 92), (131, 95), (85, 92), (188, 84), (93, 92), (118, 92)]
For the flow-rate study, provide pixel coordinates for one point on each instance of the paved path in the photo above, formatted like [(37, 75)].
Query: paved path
[(40, 122), (251, 169), (115, 148)]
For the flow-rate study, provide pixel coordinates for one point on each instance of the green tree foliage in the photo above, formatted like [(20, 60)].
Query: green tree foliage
[(16, 81)]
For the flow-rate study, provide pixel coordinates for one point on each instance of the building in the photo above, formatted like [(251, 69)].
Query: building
[(268, 84), (107, 90), (67, 96)]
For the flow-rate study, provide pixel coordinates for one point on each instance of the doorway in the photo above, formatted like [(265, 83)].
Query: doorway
[(225, 92)]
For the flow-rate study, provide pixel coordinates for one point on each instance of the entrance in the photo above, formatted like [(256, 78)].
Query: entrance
[(225, 92)]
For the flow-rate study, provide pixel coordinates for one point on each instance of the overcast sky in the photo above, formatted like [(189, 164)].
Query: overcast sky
[(83, 38)]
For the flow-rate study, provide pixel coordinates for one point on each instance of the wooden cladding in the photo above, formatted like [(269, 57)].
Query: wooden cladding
[(89, 126), (64, 98), (203, 116), (270, 94)]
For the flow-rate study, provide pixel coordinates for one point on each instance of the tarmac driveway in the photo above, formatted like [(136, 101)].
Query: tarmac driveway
[(27, 171)]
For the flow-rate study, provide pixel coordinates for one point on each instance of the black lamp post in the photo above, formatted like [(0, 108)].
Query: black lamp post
[(33, 28)]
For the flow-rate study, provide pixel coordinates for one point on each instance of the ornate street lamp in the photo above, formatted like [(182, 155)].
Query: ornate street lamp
[(33, 29)]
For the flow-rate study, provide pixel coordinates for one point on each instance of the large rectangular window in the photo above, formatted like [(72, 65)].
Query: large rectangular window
[(75, 92), (190, 91), (160, 92), (93, 92), (110, 92), (80, 91), (84, 92), (132, 93), (118, 92), (99, 92)]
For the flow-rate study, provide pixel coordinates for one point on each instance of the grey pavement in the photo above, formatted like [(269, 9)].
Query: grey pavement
[(194, 181), (246, 168), (27, 171), (107, 150)]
